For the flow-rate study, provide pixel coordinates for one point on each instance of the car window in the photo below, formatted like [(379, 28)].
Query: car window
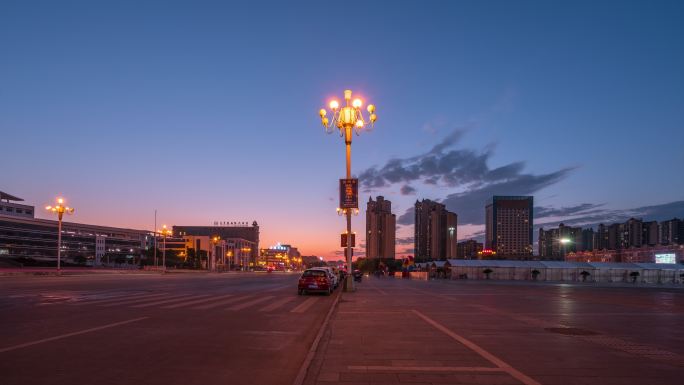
[(314, 273)]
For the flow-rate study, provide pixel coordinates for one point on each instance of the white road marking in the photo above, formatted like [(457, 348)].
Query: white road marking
[(135, 300), (424, 368), (119, 299), (197, 301), (483, 353), (176, 299), (221, 303), (250, 303), (304, 306), (70, 334), (277, 304)]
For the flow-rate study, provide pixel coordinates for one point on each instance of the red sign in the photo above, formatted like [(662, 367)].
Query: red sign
[(349, 193), (343, 240)]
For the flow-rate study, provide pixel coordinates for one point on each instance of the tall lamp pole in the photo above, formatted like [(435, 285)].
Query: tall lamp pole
[(212, 264), (348, 119), (164, 232), (59, 209)]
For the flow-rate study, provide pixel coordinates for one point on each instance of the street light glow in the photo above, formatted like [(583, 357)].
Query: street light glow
[(357, 103), (334, 105), (565, 240)]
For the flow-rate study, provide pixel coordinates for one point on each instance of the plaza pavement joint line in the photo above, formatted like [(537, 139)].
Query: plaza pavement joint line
[(27, 344), (474, 347), (384, 368)]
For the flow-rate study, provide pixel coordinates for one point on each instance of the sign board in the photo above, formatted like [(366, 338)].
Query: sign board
[(349, 193), (665, 258), (343, 240)]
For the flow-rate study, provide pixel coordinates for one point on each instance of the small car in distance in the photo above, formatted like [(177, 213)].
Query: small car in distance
[(314, 281)]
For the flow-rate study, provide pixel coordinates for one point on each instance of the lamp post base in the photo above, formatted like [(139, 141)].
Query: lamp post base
[(349, 284)]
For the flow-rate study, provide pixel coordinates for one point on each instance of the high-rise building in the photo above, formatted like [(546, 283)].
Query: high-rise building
[(508, 226), (672, 232), (435, 234), (588, 240), (649, 231), (554, 244), (380, 228)]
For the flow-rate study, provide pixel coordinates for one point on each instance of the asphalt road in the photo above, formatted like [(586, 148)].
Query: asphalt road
[(152, 329), (395, 331)]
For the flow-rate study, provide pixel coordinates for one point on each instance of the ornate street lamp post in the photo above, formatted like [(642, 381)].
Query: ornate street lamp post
[(347, 119), (164, 232), (212, 264), (59, 209)]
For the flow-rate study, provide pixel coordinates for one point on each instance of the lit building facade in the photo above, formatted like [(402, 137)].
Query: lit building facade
[(469, 249), (380, 229), (509, 226), (245, 239), (280, 257)]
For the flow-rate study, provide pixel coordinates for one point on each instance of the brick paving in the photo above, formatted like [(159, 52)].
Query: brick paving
[(394, 331)]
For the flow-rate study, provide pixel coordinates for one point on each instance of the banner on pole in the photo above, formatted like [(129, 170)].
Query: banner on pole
[(349, 193)]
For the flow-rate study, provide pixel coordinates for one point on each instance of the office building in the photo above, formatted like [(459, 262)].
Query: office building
[(435, 234), (28, 241), (508, 226), (380, 228), (241, 234)]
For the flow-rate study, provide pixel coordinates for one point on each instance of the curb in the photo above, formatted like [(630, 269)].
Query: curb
[(304, 369)]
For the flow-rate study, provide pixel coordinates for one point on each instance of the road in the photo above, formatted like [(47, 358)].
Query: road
[(396, 331), (156, 329)]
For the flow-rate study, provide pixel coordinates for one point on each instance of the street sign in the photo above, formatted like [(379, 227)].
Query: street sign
[(343, 240), (349, 193)]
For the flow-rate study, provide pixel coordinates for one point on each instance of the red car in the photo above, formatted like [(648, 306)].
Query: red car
[(313, 281)]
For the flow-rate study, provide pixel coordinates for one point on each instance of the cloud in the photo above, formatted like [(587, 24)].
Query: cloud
[(407, 190), (460, 169), (404, 241), (407, 218), (591, 218), (584, 208)]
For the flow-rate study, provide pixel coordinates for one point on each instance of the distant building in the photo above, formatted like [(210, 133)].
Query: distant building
[(508, 226), (435, 234), (468, 249), (280, 257), (672, 232), (380, 228), (649, 233), (30, 241), (8, 207), (554, 244), (644, 254), (226, 231)]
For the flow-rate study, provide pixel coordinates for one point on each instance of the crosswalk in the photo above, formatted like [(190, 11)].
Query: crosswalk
[(264, 301)]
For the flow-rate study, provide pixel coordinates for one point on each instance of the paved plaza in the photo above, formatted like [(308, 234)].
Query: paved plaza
[(464, 332), (255, 329)]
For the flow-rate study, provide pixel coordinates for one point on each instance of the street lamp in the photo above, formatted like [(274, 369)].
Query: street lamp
[(563, 242), (59, 209), (164, 232), (215, 240), (347, 119)]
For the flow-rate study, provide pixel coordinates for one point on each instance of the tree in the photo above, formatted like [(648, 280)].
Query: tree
[(487, 271), (535, 274), (584, 275)]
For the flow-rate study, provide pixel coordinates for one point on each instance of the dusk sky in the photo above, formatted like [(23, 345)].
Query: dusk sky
[(208, 111)]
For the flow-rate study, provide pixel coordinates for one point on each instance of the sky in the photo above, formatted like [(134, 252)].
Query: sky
[(208, 111)]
